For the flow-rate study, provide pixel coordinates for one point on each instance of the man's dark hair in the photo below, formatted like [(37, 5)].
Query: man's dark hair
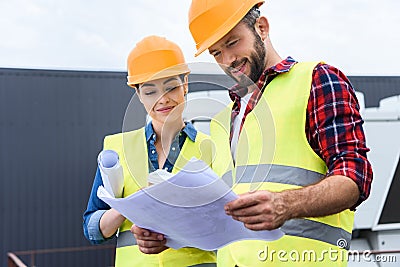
[(251, 17)]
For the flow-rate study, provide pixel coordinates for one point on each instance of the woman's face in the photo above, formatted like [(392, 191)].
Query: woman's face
[(164, 99)]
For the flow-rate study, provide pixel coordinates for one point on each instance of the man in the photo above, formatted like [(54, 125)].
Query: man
[(316, 173)]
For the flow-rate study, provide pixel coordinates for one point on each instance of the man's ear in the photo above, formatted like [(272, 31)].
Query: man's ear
[(262, 27)]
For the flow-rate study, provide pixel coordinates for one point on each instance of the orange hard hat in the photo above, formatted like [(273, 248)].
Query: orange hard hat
[(153, 58), (210, 20)]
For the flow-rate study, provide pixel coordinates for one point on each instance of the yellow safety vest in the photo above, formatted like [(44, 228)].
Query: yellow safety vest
[(273, 154), (132, 150)]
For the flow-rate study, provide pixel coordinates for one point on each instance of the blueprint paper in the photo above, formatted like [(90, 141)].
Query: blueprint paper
[(111, 172), (188, 209), (158, 176)]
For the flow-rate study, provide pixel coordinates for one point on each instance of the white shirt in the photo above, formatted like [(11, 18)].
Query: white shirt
[(236, 124)]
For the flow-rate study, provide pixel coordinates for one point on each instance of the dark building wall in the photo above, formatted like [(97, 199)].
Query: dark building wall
[(52, 124), (376, 88)]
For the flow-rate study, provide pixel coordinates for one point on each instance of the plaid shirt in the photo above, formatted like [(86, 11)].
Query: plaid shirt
[(332, 114)]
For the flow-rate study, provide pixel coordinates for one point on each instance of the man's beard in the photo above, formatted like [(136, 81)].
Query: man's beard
[(257, 63)]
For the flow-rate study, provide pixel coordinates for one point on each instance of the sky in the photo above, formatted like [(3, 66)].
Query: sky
[(359, 37)]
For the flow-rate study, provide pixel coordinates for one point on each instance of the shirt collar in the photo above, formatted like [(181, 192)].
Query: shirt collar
[(188, 130), (285, 65), (149, 131)]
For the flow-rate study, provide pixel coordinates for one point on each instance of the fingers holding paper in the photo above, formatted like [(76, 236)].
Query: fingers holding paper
[(259, 210), (149, 242)]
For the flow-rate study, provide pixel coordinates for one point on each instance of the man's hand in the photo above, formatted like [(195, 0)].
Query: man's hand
[(149, 242), (264, 210), (259, 210)]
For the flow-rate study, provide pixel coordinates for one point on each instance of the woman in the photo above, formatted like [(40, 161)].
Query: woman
[(159, 74)]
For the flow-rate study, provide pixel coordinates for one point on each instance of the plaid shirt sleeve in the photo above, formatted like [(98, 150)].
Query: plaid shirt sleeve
[(334, 128)]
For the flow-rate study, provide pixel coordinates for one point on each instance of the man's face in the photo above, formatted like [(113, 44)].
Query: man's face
[(241, 54)]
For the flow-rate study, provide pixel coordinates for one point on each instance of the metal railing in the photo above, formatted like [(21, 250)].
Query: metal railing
[(14, 261)]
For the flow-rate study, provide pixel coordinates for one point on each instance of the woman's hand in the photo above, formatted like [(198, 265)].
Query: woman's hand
[(110, 222)]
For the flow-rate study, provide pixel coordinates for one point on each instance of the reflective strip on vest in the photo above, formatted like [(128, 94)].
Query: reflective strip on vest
[(298, 177), (125, 239), (318, 231), (204, 265), (276, 174)]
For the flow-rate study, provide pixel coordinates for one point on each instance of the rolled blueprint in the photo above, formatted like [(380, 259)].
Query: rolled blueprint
[(111, 172)]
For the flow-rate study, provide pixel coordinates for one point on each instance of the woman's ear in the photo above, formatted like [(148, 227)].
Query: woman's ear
[(138, 93), (262, 27), (186, 84)]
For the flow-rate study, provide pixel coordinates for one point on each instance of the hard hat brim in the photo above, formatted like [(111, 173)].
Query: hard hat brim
[(169, 72), (225, 28)]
